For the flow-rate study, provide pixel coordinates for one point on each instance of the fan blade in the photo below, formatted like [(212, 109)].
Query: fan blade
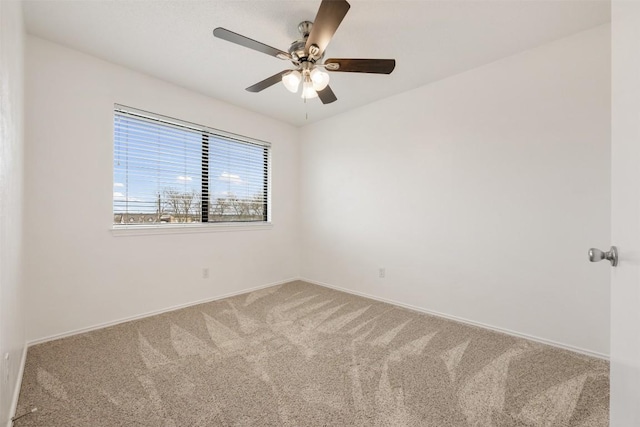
[(348, 65), (268, 82), (327, 96), (329, 16), (232, 37)]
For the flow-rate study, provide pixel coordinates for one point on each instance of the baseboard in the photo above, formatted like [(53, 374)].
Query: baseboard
[(16, 391), (326, 285), (153, 313), (466, 321)]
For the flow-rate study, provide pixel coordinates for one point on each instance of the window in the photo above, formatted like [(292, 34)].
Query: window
[(168, 171)]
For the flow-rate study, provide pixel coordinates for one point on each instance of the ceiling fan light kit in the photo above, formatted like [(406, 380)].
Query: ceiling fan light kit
[(306, 53), (292, 80), (308, 91), (320, 78)]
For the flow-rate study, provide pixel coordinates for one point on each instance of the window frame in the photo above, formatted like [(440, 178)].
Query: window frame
[(202, 226)]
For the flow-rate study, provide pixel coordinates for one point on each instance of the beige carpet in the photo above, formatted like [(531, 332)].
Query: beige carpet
[(303, 355)]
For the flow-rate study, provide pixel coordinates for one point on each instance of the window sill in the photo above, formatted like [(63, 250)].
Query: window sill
[(145, 230)]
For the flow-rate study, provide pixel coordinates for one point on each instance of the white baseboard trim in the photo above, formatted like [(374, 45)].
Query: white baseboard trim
[(326, 285), (152, 313), (463, 320), (16, 391)]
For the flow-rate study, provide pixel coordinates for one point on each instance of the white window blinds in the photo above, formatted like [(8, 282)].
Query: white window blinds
[(168, 171)]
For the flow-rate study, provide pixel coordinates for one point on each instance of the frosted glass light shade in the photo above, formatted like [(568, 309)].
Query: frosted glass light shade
[(320, 79), (308, 91), (292, 80)]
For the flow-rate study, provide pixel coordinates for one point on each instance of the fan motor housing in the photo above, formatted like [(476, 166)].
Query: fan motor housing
[(297, 50)]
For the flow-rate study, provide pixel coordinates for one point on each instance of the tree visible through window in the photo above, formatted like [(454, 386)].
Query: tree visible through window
[(168, 171)]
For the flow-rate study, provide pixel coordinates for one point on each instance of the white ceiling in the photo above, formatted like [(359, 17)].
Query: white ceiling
[(430, 40)]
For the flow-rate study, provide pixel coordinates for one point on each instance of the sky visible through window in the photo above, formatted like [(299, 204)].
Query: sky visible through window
[(154, 162)]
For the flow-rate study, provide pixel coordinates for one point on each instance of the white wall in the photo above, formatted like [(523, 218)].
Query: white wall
[(480, 194), (78, 273), (12, 338)]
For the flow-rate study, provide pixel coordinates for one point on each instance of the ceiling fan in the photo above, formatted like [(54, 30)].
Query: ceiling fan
[(307, 53)]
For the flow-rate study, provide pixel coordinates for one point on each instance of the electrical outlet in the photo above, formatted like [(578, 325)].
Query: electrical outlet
[(382, 272), (205, 273)]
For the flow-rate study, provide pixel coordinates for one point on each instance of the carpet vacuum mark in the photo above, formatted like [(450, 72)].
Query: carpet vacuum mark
[(303, 355)]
